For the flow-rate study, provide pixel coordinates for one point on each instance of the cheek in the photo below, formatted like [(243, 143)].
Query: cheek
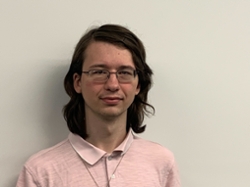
[(130, 90), (88, 84), (90, 89)]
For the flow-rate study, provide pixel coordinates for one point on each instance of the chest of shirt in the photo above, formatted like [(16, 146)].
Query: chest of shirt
[(112, 172)]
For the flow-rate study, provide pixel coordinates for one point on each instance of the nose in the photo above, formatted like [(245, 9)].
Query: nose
[(112, 84)]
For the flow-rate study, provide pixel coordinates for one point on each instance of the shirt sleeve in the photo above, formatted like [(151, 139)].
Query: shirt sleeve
[(26, 179), (173, 177)]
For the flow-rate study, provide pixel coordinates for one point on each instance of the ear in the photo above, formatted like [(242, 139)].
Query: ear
[(137, 91), (77, 82)]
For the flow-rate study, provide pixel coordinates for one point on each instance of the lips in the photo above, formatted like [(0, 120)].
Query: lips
[(110, 100)]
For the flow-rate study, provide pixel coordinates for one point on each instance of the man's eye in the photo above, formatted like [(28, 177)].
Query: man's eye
[(125, 72), (98, 72)]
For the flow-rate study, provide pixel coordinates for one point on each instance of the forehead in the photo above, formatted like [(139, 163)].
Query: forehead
[(107, 55)]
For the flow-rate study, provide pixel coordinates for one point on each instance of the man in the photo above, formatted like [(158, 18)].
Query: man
[(108, 83)]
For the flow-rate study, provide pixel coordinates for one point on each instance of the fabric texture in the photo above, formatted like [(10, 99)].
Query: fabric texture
[(74, 163)]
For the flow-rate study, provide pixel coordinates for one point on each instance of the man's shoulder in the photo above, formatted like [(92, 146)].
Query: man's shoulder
[(152, 148), (49, 155)]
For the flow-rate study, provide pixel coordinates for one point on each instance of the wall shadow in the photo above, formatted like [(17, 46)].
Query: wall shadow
[(51, 125)]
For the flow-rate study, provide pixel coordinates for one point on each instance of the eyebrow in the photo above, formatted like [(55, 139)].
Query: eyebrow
[(105, 66), (98, 66)]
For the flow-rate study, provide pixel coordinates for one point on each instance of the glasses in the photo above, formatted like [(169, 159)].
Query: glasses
[(102, 75)]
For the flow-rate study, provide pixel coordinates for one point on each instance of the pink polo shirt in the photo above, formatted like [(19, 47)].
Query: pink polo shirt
[(76, 163)]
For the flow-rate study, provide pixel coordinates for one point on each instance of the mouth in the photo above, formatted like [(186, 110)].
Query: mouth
[(111, 100)]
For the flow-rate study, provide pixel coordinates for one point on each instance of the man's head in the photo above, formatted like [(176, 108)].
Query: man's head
[(74, 111)]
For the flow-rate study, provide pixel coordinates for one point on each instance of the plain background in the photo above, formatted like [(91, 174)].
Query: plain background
[(199, 51)]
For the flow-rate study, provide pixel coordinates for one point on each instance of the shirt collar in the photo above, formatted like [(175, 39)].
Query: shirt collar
[(92, 154)]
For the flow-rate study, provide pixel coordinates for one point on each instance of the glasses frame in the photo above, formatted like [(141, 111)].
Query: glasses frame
[(135, 72)]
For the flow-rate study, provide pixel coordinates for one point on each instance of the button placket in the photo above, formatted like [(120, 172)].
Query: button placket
[(111, 164), (110, 157)]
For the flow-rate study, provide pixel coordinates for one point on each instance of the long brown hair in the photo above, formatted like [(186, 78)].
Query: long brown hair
[(74, 111)]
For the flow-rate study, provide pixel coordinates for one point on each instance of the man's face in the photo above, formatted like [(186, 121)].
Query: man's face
[(111, 98)]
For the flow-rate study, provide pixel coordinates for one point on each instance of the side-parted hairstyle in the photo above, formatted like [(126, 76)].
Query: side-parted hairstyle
[(74, 111)]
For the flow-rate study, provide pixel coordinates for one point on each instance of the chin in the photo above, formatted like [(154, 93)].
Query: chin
[(112, 113)]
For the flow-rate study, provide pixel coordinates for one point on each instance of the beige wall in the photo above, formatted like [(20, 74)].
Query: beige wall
[(199, 51)]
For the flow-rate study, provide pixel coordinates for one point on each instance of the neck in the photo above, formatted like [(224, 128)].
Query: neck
[(106, 134)]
